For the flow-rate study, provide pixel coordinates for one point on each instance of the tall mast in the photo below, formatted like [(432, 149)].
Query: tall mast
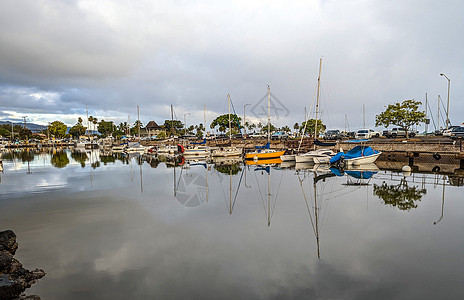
[(316, 216), (438, 118), (317, 99), (426, 125), (138, 122), (268, 114), (230, 127), (364, 116), (172, 120), (204, 117)]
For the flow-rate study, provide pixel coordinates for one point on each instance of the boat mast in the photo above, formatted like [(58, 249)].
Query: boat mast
[(204, 117), (138, 122), (172, 121), (230, 127), (316, 216), (317, 99), (426, 125), (268, 114)]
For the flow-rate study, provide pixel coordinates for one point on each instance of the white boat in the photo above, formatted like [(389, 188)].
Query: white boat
[(287, 157), (201, 151), (315, 156), (226, 152), (135, 148), (359, 155), (167, 150)]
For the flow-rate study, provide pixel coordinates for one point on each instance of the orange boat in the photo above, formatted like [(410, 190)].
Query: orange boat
[(265, 154), (270, 161)]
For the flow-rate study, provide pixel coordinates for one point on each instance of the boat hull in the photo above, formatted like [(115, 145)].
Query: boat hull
[(264, 155), (363, 159)]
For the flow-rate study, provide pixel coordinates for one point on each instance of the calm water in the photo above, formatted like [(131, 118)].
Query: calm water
[(106, 228)]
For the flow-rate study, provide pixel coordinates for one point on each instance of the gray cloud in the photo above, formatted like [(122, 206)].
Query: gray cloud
[(115, 55)]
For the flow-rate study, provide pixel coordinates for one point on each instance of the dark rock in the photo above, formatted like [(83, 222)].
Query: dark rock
[(14, 279), (8, 241)]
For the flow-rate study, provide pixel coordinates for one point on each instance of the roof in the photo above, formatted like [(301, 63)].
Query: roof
[(152, 125)]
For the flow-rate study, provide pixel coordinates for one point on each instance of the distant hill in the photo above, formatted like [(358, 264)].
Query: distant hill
[(31, 126)]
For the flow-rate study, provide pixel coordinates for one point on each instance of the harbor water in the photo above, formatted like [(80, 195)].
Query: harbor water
[(118, 227)]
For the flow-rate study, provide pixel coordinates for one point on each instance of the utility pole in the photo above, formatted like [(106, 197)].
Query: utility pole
[(447, 106)]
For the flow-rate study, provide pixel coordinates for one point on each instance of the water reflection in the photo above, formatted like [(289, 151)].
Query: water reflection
[(217, 224), (59, 159), (399, 195)]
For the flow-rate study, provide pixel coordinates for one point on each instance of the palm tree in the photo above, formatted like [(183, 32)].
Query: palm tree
[(90, 121), (79, 120), (95, 121)]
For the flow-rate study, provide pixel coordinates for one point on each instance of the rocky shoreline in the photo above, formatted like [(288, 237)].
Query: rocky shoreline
[(14, 279)]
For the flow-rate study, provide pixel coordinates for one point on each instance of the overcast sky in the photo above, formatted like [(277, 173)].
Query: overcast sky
[(58, 57)]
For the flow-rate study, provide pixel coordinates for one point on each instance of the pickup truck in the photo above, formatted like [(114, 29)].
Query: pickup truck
[(366, 134)]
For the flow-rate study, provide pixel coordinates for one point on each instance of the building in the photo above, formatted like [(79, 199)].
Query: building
[(151, 129)]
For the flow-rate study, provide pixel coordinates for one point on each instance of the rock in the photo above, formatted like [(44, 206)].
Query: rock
[(8, 241), (14, 279)]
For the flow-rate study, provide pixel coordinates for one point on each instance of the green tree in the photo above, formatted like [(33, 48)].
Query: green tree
[(173, 126), (79, 120), (264, 128), (4, 132), (90, 122), (311, 125), (223, 121), (401, 195), (105, 128), (404, 115), (58, 129), (78, 129), (200, 129), (135, 129), (296, 127)]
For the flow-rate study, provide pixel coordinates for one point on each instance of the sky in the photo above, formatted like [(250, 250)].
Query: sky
[(62, 58)]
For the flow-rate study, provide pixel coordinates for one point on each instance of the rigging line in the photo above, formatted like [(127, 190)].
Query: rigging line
[(306, 202), (277, 194), (431, 116), (223, 192), (307, 119), (238, 188), (260, 194), (326, 107), (235, 113), (444, 111)]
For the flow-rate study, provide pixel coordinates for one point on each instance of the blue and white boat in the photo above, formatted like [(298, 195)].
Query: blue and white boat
[(359, 155)]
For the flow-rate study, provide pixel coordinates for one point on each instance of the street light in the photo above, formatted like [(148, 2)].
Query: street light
[(244, 123), (447, 106), (185, 123)]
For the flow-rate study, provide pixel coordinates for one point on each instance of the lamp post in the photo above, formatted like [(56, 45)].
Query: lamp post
[(244, 123), (447, 105), (185, 123)]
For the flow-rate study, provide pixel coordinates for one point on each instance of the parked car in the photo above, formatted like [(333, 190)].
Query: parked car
[(279, 135), (398, 132), (457, 133), (333, 135), (366, 134), (447, 132)]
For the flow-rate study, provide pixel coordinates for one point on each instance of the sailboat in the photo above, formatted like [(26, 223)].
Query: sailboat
[(227, 151), (320, 155), (264, 152)]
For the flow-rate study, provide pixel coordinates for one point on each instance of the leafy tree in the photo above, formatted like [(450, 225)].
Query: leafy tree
[(264, 128), (79, 120), (286, 129), (105, 128), (223, 121), (311, 125), (58, 129), (135, 129), (173, 126), (60, 160), (4, 132), (77, 130), (161, 135), (296, 127), (200, 129), (401, 195), (404, 114)]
